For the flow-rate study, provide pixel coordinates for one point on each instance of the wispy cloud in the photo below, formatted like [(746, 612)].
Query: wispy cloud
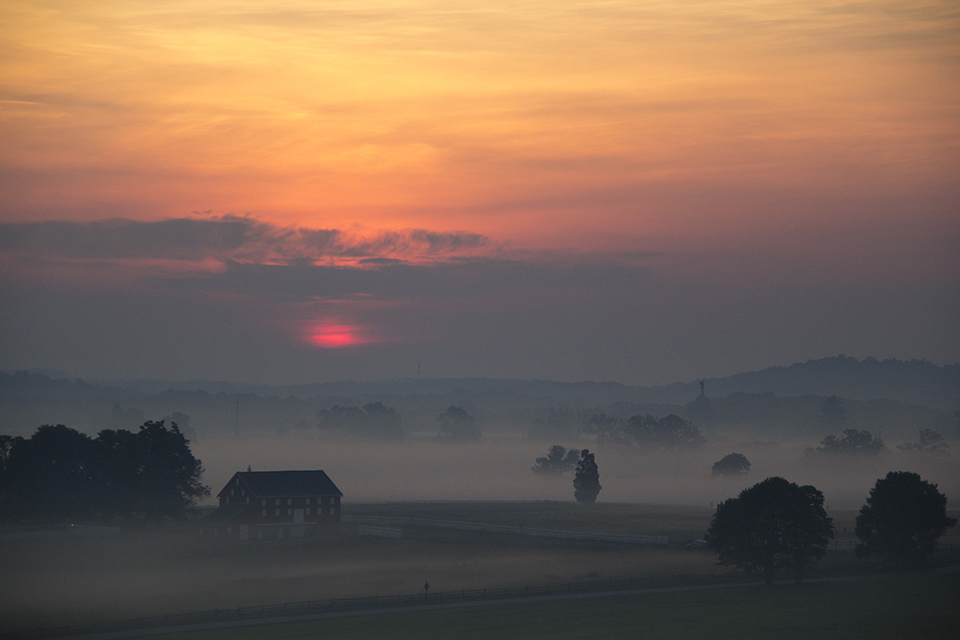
[(230, 239)]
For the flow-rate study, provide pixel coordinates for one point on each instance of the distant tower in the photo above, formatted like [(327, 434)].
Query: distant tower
[(701, 388)]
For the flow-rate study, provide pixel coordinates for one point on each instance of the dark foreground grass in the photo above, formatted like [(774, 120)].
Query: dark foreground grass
[(905, 606)]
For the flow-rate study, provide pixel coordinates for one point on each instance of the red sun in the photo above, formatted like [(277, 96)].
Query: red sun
[(336, 336)]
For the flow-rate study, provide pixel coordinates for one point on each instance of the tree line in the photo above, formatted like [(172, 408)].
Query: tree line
[(61, 475), (777, 524)]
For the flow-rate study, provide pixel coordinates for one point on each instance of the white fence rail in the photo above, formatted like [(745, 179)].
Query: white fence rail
[(500, 528)]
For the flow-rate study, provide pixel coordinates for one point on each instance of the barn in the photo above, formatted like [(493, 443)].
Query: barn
[(270, 505)]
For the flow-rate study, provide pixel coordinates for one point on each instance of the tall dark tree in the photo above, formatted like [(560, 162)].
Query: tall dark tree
[(117, 472), (773, 524), (902, 518), (586, 482), (169, 476)]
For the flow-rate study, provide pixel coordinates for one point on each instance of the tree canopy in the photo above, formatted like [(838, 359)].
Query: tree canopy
[(853, 442), (586, 482), (374, 421), (557, 460), (902, 518), (773, 524), (733, 464), (456, 425), (669, 432), (60, 474), (930, 442)]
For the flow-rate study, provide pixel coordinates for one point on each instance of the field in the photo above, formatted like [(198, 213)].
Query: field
[(908, 607), (63, 581)]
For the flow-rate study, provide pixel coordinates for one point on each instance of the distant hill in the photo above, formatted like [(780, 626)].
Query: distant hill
[(908, 393), (913, 381)]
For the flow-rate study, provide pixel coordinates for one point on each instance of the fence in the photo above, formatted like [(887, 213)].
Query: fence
[(499, 528)]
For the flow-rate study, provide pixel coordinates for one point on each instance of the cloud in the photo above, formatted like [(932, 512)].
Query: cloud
[(227, 238)]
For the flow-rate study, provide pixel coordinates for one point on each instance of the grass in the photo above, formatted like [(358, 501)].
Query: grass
[(678, 523), (73, 581), (907, 606)]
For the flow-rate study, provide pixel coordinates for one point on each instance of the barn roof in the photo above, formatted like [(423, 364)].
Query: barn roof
[(268, 484)]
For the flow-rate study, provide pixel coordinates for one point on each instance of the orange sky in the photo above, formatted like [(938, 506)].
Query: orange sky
[(755, 144), (518, 120)]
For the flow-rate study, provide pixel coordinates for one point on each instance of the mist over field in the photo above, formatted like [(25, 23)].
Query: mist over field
[(380, 441), (394, 449), (499, 468)]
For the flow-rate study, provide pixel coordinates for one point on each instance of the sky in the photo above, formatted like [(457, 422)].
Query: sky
[(647, 192)]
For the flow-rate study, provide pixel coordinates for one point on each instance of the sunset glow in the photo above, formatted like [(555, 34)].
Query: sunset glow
[(336, 336), (485, 166)]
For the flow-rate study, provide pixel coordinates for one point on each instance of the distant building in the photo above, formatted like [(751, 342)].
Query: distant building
[(270, 505)]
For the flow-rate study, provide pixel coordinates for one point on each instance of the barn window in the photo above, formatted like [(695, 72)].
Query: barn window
[(243, 492), (263, 502), (238, 482), (289, 501), (308, 500), (277, 502), (263, 512), (308, 510), (289, 512), (276, 512), (248, 500)]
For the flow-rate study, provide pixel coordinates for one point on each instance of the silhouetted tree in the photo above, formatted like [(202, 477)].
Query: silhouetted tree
[(60, 474), (930, 442), (772, 524), (852, 442), (48, 476), (733, 464), (169, 475), (607, 428), (902, 518), (561, 422), (375, 421), (833, 414), (586, 482), (383, 421), (456, 425), (669, 432), (117, 472), (557, 461)]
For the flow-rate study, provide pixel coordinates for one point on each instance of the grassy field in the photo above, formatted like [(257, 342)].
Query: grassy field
[(678, 523), (907, 606), (48, 582)]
